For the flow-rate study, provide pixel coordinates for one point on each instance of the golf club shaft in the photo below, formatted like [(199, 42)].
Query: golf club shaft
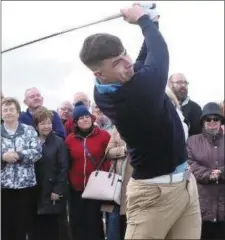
[(147, 6), (115, 16)]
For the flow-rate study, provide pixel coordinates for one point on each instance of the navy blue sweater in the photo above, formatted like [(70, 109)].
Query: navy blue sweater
[(143, 114), (58, 128)]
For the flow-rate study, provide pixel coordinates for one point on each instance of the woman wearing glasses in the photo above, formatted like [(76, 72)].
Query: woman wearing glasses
[(206, 159)]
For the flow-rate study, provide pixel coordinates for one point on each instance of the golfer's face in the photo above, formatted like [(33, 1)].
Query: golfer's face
[(117, 69)]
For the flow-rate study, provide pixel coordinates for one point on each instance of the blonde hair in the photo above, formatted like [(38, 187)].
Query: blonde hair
[(172, 97)]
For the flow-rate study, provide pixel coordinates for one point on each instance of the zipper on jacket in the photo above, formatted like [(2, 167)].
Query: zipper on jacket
[(85, 164), (215, 146)]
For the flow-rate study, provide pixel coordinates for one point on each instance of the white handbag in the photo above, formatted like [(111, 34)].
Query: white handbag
[(105, 186), (102, 185)]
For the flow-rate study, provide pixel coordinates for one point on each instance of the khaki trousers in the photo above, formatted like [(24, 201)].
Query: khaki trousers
[(163, 211)]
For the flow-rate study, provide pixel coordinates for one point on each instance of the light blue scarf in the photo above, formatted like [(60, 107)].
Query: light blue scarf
[(107, 88)]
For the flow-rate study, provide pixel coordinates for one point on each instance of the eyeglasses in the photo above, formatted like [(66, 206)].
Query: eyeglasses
[(214, 119), (181, 83), (64, 109)]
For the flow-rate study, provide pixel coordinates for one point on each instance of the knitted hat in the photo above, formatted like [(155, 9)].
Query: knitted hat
[(81, 110), (212, 108)]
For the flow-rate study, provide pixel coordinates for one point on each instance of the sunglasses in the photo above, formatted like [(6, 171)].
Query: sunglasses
[(214, 119)]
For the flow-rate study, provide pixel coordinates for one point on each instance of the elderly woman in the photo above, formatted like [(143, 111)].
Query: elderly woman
[(51, 173), (86, 145), (117, 152), (20, 149), (206, 159)]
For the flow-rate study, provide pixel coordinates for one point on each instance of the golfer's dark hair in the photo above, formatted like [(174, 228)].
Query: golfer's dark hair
[(98, 47)]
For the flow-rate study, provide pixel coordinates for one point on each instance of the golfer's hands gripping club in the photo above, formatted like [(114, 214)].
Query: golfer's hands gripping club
[(132, 14)]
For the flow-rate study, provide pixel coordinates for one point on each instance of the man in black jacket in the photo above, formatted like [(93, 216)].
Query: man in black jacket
[(160, 203), (190, 109)]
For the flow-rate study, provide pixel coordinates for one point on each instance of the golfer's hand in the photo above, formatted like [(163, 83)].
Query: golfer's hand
[(132, 14)]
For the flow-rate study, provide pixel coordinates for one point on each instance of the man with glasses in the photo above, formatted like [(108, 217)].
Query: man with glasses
[(65, 111), (190, 109)]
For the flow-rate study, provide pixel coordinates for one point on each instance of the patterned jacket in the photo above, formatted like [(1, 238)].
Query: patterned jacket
[(26, 143)]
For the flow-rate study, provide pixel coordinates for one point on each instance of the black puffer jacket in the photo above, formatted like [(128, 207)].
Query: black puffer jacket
[(51, 174)]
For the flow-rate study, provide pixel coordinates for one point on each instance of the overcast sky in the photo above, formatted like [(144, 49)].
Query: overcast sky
[(194, 32)]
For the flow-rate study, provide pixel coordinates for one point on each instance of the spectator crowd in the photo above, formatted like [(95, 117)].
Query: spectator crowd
[(48, 155), (144, 161)]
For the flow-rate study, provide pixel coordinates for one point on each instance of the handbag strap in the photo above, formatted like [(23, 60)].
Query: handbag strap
[(92, 159), (113, 166)]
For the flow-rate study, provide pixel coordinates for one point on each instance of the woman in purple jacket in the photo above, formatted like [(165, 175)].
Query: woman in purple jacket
[(206, 159)]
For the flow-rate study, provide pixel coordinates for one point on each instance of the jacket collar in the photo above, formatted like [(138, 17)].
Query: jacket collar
[(19, 131), (94, 132), (29, 112), (185, 102), (50, 137), (214, 140)]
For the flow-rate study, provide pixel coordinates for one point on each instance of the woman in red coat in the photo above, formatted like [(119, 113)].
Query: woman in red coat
[(86, 140)]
